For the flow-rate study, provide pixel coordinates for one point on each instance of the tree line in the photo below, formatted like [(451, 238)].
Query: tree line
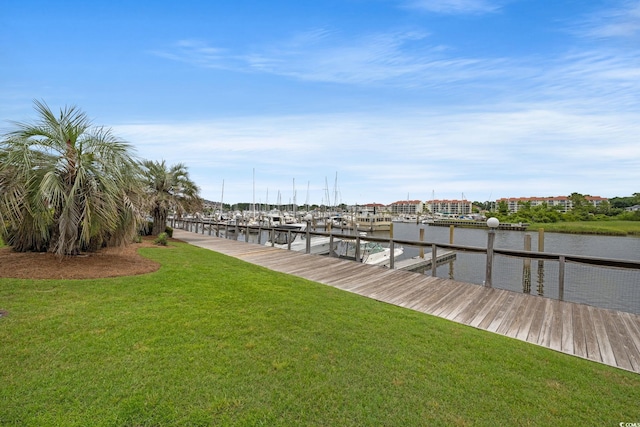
[(581, 210), (67, 186)]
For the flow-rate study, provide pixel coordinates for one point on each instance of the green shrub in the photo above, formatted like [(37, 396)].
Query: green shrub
[(161, 239), (148, 228)]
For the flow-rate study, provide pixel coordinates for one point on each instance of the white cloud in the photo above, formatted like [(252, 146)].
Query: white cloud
[(545, 150)]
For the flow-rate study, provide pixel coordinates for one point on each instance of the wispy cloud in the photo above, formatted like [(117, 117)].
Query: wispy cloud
[(201, 54), (399, 58), (621, 21), (408, 60)]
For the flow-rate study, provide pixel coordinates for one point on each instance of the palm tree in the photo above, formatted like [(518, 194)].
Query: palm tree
[(67, 186), (169, 189)]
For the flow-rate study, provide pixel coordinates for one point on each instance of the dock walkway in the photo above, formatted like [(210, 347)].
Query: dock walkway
[(604, 336)]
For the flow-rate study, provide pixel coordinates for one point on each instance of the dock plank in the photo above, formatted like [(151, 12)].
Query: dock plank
[(487, 314), (628, 345), (579, 341), (606, 351), (513, 317), (521, 327), (590, 337), (469, 298), (472, 311), (603, 336), (615, 339)]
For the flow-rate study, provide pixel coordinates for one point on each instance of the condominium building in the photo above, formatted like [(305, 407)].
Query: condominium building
[(564, 202), (406, 207), (450, 207)]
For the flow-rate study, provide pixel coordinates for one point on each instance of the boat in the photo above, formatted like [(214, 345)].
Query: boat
[(372, 253), (413, 219), (293, 236), (367, 221)]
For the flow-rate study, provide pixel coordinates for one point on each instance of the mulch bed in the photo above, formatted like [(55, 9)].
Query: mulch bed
[(108, 262)]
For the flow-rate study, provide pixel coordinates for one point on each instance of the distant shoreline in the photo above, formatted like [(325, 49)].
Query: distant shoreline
[(605, 228)]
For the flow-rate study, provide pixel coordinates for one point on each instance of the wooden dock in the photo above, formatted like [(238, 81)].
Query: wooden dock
[(604, 336)]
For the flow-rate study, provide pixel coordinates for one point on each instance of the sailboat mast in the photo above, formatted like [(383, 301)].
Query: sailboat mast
[(335, 191), (222, 200)]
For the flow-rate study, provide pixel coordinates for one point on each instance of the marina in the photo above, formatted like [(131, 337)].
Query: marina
[(602, 271), (601, 335)]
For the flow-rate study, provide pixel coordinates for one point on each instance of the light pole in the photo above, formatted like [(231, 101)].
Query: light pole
[(492, 223)]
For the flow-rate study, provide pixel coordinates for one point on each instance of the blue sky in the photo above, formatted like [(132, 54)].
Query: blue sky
[(398, 98)]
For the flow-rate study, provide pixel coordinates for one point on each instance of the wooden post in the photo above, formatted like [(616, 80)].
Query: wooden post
[(561, 265), (540, 262), (434, 256), (308, 242), (357, 248), (491, 237), (541, 240), (451, 228), (526, 266), (422, 240), (391, 231), (331, 253), (392, 257)]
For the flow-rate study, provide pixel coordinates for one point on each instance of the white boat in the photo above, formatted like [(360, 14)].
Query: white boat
[(293, 236), (413, 219), (372, 253)]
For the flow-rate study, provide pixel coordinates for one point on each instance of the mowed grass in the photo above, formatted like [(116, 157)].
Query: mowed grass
[(613, 228), (211, 340)]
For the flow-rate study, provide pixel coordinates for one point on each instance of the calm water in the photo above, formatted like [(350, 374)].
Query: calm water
[(617, 289)]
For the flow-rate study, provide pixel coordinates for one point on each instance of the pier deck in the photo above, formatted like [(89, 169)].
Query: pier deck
[(604, 336)]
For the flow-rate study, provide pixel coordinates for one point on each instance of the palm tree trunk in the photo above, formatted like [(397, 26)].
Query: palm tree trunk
[(159, 220)]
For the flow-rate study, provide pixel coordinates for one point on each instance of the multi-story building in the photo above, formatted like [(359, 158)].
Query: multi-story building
[(564, 202), (406, 207), (450, 207)]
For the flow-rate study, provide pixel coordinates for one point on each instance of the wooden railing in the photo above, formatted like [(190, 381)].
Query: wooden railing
[(232, 231)]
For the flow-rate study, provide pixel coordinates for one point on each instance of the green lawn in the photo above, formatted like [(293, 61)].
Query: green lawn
[(614, 228), (211, 340)]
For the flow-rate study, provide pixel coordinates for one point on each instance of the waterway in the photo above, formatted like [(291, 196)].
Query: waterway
[(618, 289)]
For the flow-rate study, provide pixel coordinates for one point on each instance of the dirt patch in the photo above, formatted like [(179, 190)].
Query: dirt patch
[(109, 262)]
